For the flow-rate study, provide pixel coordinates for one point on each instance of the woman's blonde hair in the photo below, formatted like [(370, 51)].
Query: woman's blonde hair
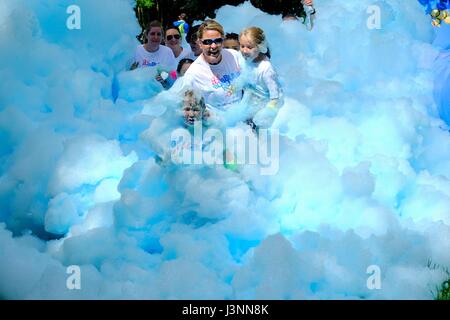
[(258, 36), (210, 25)]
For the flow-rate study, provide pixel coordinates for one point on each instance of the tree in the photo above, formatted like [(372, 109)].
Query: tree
[(167, 11), (283, 7), (145, 3)]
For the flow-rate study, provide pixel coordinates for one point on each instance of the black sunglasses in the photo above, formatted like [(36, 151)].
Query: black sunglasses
[(208, 42), (176, 36)]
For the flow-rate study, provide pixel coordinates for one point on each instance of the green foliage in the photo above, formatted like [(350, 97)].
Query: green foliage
[(145, 3), (444, 291), (167, 11), (283, 7)]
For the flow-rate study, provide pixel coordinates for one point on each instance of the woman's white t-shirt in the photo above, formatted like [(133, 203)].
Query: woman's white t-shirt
[(216, 83), (162, 58), (186, 53)]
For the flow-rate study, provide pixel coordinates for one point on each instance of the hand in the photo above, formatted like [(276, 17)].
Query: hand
[(135, 65), (308, 2), (163, 82)]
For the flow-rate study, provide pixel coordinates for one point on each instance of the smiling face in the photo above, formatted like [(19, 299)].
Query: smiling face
[(211, 52), (173, 38), (154, 37), (249, 49)]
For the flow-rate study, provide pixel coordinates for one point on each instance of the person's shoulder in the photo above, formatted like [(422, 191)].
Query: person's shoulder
[(167, 52), (231, 54), (191, 55), (199, 62), (140, 48), (197, 67), (165, 49), (185, 54), (266, 65)]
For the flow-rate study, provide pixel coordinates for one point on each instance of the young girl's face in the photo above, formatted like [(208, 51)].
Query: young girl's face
[(249, 49)]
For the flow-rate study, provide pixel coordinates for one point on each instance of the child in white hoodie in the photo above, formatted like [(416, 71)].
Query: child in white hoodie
[(263, 90)]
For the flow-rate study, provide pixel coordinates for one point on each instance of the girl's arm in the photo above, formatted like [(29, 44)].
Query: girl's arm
[(270, 78)]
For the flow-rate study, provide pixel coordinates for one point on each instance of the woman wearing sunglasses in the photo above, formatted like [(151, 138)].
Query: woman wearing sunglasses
[(213, 74), (173, 41)]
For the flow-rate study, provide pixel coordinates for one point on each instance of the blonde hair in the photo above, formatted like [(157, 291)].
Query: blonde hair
[(257, 35), (208, 25)]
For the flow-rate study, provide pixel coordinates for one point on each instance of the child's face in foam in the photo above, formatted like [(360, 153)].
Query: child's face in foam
[(249, 49), (192, 110)]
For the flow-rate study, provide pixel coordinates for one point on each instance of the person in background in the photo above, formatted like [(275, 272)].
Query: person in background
[(182, 25), (183, 66), (231, 41), (289, 17), (308, 14), (173, 41), (152, 54), (192, 39)]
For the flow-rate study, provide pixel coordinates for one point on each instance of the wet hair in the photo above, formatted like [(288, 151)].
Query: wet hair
[(232, 36), (183, 62), (210, 25), (195, 95), (258, 36)]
